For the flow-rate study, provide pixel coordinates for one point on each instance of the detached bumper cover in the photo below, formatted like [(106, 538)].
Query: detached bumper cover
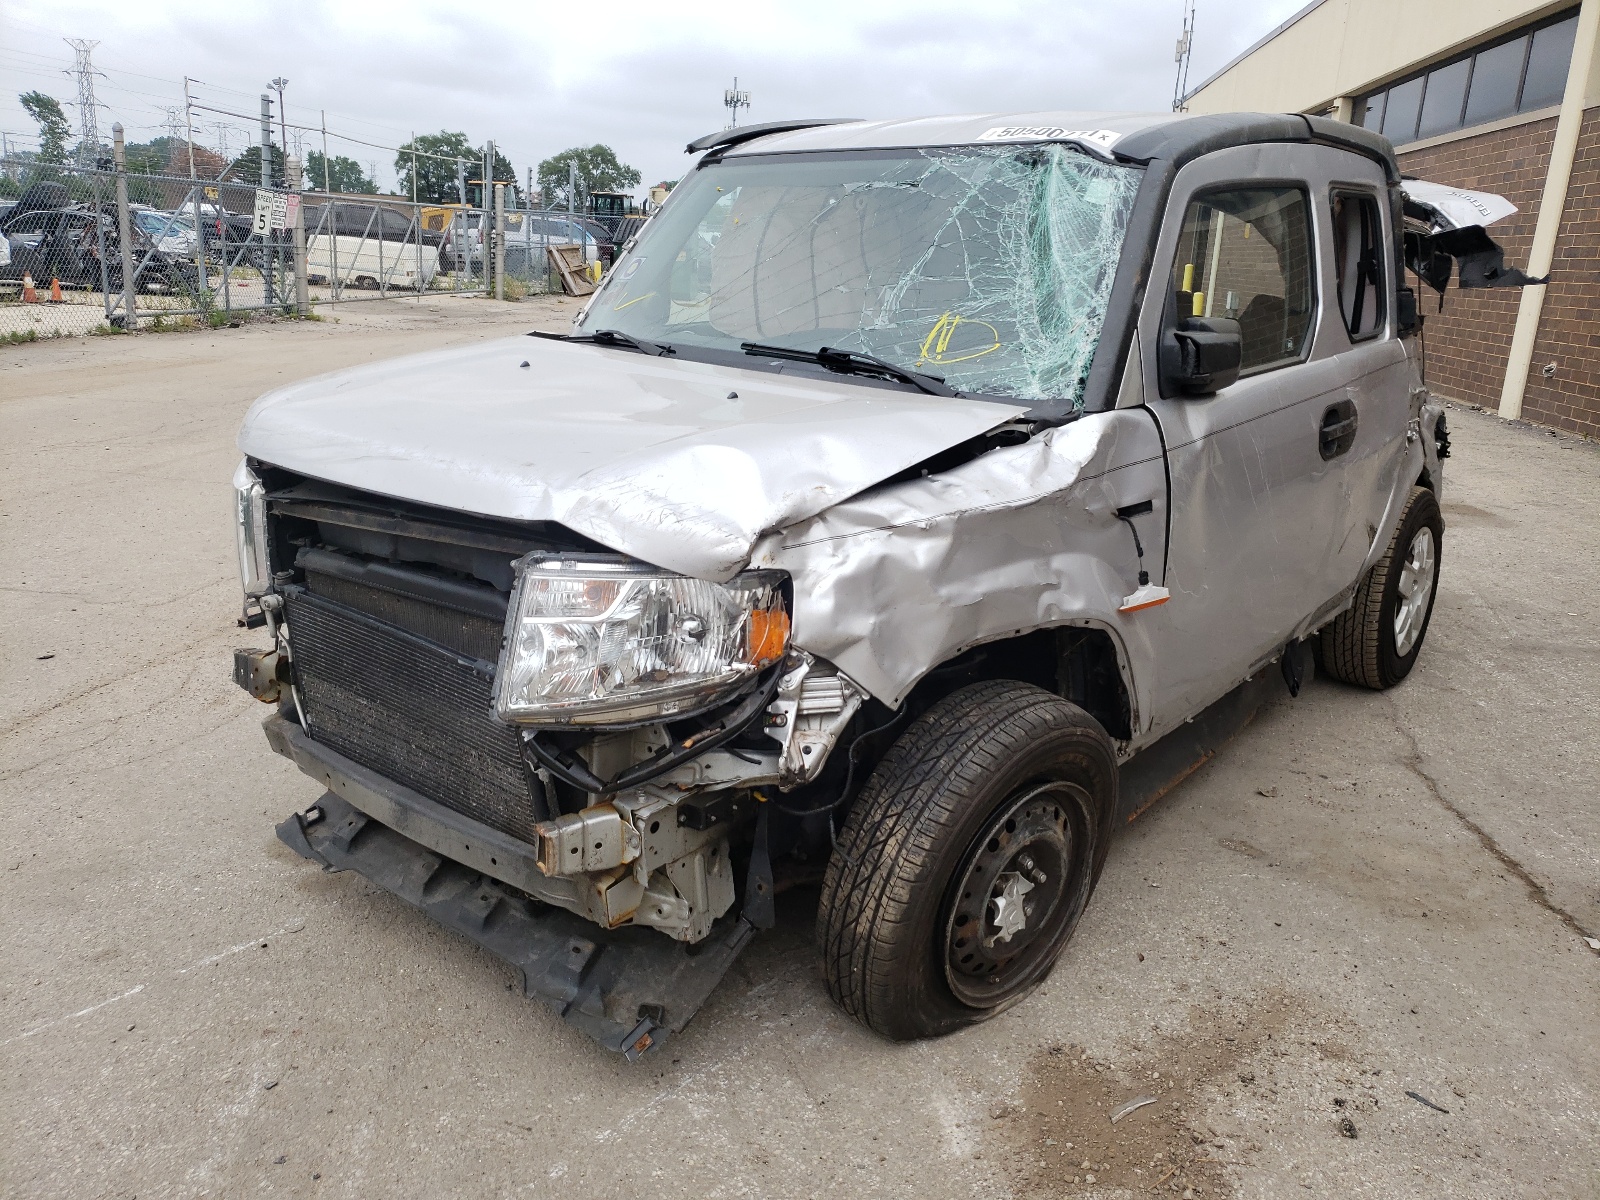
[(627, 988)]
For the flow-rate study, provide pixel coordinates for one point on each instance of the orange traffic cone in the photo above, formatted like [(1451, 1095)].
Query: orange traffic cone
[(55, 291), (29, 294)]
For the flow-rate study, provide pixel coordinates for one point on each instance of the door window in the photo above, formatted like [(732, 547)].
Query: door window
[(1358, 263), (1245, 254)]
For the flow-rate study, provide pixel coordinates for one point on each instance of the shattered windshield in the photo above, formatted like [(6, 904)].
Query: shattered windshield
[(990, 266)]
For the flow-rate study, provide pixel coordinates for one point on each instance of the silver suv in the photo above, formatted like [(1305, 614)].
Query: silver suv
[(914, 502)]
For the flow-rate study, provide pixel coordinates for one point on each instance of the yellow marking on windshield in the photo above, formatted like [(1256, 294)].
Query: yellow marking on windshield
[(635, 300), (935, 347)]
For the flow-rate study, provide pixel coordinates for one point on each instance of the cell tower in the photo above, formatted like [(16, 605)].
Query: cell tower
[(88, 110), (1180, 88), (733, 100)]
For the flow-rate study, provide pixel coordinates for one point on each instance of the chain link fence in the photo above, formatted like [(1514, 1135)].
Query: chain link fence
[(99, 250)]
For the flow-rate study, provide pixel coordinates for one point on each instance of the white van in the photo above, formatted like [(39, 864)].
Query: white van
[(368, 246), (370, 262)]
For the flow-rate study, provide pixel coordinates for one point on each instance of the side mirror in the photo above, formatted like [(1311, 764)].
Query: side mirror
[(1407, 320), (1201, 356)]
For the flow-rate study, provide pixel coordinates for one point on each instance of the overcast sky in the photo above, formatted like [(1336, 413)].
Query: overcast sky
[(643, 78)]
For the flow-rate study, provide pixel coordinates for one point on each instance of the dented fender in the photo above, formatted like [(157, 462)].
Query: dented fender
[(892, 583)]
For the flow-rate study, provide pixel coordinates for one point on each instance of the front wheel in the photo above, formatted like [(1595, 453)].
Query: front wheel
[(1375, 642), (963, 868)]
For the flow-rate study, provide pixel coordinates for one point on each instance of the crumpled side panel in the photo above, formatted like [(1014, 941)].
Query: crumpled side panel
[(892, 583)]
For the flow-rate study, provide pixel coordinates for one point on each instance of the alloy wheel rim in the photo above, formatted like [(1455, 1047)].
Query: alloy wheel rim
[(1417, 575)]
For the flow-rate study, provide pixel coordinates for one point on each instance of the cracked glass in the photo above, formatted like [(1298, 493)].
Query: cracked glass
[(988, 266)]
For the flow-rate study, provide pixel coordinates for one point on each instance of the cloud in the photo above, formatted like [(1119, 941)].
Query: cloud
[(643, 78)]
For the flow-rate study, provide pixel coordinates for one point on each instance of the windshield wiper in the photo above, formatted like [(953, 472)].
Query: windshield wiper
[(610, 337), (851, 362)]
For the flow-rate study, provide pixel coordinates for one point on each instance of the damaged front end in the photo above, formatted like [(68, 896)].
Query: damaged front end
[(559, 752)]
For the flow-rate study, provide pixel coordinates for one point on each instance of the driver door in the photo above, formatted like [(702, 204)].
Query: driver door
[(1255, 504)]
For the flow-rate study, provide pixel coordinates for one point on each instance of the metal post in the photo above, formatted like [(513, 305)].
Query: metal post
[(572, 187), (266, 186), (100, 242), (486, 222), (119, 161), (296, 181), (330, 219), (499, 241)]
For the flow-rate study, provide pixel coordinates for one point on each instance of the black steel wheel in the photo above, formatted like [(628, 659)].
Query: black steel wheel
[(964, 866), (1025, 870)]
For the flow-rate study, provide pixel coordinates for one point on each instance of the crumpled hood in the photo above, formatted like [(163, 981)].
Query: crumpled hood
[(681, 464)]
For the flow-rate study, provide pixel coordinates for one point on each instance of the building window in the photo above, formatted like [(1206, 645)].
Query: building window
[(1524, 72)]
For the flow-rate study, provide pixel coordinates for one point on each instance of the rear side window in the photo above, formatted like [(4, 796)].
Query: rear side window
[(1358, 262), (1245, 254)]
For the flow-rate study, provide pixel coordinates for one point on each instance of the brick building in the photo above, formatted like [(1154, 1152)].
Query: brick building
[(1494, 95)]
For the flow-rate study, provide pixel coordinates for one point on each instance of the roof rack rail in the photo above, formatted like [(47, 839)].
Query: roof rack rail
[(724, 138)]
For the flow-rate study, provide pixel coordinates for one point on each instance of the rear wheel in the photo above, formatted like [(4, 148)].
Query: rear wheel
[(1375, 642), (965, 865)]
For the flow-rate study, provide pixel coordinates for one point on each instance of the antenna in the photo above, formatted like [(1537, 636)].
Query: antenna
[(1180, 87), (88, 110), (733, 100)]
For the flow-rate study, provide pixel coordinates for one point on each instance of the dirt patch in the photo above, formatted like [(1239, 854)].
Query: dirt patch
[(1063, 1142)]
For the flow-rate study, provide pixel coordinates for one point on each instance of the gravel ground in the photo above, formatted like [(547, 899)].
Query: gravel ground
[(1364, 896)]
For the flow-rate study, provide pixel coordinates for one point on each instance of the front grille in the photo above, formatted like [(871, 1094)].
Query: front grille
[(408, 707)]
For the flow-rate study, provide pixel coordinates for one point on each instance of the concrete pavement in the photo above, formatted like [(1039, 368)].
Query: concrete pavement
[(1363, 896)]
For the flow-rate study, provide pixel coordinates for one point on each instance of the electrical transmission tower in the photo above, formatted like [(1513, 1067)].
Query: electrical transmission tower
[(88, 110), (1180, 87)]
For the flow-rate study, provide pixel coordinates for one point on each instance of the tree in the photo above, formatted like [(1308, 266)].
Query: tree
[(247, 168), (53, 128), (342, 175), (159, 156), (597, 171), (436, 167)]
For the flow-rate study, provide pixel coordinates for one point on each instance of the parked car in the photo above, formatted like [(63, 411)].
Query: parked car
[(172, 233), (905, 511), (65, 244)]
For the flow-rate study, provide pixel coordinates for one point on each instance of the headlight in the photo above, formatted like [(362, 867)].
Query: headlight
[(594, 643), (250, 529)]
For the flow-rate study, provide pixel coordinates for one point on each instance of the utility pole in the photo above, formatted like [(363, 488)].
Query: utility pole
[(88, 109), (194, 191), (266, 186), (1180, 86)]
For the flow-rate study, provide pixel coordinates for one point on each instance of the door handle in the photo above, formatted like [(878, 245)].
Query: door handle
[(1338, 432)]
